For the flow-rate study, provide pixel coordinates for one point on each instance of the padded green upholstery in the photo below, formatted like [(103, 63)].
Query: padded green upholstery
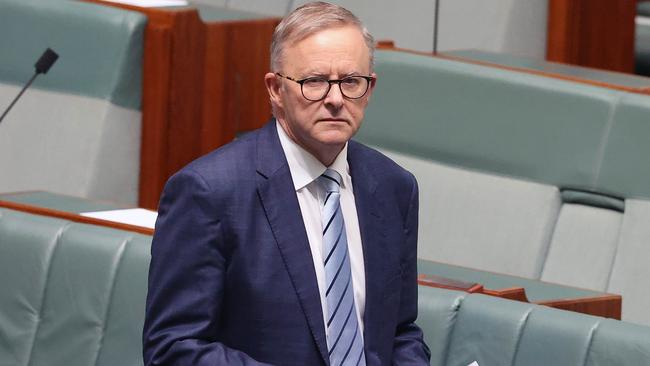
[(624, 167), (557, 131), (77, 130), (72, 294), (97, 46), (520, 173), (435, 114), (501, 332)]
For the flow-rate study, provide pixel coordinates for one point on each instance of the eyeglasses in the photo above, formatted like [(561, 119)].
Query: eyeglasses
[(316, 88)]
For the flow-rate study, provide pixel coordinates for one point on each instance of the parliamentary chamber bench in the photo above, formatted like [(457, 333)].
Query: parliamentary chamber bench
[(137, 93), (521, 173), (74, 292), (77, 129)]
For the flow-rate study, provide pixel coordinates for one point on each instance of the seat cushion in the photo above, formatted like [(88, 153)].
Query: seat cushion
[(480, 220), (583, 247), (630, 270)]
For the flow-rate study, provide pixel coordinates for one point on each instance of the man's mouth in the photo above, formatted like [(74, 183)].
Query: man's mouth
[(332, 120)]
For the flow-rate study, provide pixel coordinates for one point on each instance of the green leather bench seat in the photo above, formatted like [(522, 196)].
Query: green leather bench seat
[(73, 294), (519, 173), (461, 328), (77, 129)]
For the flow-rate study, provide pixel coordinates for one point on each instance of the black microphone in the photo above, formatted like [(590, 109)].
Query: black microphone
[(47, 59)]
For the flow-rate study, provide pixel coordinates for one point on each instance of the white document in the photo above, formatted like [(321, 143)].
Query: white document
[(151, 3), (131, 216)]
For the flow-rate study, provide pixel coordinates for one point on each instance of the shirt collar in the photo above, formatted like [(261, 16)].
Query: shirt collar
[(304, 167)]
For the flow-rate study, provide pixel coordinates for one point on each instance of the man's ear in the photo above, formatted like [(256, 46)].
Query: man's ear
[(273, 85)]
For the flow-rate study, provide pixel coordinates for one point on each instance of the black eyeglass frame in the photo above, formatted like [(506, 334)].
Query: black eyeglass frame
[(369, 80)]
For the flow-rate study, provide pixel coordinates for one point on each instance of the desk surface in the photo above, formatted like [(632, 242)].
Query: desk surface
[(536, 291), (59, 202), (66, 207), (610, 78)]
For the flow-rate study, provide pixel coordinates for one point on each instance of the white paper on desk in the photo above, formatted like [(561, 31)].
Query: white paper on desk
[(131, 216), (151, 3), (473, 364)]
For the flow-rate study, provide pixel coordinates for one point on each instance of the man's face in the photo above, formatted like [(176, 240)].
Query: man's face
[(324, 126)]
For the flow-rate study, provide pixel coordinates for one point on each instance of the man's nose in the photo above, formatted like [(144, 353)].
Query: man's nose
[(334, 97)]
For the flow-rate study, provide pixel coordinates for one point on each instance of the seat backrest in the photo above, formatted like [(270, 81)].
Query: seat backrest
[(519, 173), (77, 129), (461, 328), (73, 294), (488, 152)]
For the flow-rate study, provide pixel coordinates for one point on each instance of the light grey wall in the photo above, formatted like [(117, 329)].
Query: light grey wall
[(507, 26)]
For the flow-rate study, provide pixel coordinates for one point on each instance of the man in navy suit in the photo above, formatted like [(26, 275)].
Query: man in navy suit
[(292, 245)]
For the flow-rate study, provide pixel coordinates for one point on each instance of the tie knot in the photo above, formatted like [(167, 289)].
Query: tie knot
[(331, 179)]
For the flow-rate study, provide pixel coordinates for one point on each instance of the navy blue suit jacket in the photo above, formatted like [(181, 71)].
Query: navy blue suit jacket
[(232, 280)]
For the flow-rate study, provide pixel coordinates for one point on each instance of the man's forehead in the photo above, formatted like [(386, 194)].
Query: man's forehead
[(337, 49)]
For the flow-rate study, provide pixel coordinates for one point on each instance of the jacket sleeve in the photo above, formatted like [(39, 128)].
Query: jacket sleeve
[(186, 279), (409, 347)]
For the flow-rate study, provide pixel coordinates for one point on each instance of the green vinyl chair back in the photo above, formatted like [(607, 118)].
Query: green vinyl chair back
[(519, 173), (73, 294), (77, 129)]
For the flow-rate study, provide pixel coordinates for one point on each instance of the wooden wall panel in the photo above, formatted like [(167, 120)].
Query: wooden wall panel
[(202, 84), (249, 61), (593, 33), (235, 97)]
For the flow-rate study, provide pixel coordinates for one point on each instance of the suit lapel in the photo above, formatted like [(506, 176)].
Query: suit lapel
[(280, 203), (373, 238)]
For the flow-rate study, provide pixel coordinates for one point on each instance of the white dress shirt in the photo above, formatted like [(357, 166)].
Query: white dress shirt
[(305, 169)]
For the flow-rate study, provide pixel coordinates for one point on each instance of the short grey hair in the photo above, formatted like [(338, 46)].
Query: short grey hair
[(310, 19)]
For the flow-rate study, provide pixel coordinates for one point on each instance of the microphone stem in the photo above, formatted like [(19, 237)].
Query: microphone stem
[(18, 96)]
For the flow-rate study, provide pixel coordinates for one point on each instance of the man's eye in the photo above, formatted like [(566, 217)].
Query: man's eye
[(351, 81), (315, 81)]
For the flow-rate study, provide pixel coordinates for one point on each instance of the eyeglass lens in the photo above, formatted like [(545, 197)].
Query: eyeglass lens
[(352, 87)]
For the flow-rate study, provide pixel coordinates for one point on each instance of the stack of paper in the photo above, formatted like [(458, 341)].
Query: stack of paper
[(132, 216)]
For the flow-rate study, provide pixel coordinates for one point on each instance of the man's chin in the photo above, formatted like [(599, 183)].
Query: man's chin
[(335, 138)]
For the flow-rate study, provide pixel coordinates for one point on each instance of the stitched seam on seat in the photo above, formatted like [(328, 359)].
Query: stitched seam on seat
[(616, 250), (57, 244), (4, 340), (549, 238), (550, 243), (591, 341), (520, 335), (602, 148), (109, 299), (456, 307)]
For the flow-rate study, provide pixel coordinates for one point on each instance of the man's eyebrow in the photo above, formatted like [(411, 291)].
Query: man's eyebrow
[(312, 74), (352, 73), (317, 75)]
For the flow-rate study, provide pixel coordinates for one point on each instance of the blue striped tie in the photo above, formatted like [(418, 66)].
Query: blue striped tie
[(344, 339)]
